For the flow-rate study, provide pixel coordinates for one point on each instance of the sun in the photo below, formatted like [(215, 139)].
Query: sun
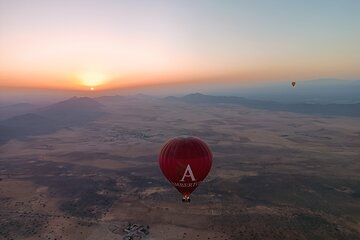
[(93, 79)]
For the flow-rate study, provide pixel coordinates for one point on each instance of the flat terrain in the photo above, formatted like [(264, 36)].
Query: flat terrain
[(276, 175)]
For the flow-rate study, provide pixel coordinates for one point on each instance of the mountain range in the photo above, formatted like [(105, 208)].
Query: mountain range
[(69, 113), (332, 109), (27, 120), (313, 91)]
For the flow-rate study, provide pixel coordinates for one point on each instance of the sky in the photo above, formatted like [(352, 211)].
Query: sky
[(112, 44)]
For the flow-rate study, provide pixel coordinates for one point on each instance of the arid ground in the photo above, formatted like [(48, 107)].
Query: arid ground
[(275, 175)]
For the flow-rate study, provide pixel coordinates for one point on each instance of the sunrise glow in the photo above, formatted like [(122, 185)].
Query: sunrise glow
[(92, 79), (122, 44)]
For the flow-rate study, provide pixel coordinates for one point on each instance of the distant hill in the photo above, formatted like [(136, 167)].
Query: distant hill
[(72, 112), (76, 103), (351, 110), (16, 109)]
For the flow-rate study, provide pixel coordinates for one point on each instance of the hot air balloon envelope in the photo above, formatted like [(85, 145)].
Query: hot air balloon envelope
[(185, 162), (293, 84)]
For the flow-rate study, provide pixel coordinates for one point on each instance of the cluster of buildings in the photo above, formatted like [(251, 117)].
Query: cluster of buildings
[(136, 232)]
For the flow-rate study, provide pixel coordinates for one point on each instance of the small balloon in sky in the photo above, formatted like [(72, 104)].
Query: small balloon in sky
[(185, 162), (293, 84)]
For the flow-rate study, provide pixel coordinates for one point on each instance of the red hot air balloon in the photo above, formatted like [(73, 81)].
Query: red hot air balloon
[(185, 162), (293, 84)]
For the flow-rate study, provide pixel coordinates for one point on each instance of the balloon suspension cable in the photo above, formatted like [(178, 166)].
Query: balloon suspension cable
[(186, 198)]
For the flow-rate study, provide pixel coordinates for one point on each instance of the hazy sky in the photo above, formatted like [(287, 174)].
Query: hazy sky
[(119, 44)]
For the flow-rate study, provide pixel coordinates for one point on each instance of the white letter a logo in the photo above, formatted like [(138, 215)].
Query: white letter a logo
[(188, 173)]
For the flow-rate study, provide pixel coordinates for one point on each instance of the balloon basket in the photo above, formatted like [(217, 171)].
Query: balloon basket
[(186, 199)]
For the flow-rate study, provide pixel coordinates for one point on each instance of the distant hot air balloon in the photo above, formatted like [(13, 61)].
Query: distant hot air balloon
[(293, 84), (185, 162)]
